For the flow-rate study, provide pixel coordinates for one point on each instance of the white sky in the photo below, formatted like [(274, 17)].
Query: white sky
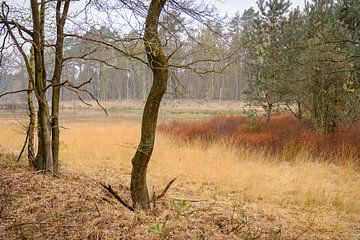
[(232, 6), (225, 6)]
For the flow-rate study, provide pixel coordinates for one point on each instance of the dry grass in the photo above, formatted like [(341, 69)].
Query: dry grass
[(253, 175), (289, 194)]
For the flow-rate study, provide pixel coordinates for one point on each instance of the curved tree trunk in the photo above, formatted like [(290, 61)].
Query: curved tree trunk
[(158, 63)]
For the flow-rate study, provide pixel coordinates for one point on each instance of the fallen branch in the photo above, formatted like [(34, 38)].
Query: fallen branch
[(165, 190), (108, 187)]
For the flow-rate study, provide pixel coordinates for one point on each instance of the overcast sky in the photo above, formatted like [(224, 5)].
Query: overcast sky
[(232, 6), (225, 6)]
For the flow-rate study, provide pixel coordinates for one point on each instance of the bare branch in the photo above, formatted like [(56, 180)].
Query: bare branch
[(14, 92), (108, 44)]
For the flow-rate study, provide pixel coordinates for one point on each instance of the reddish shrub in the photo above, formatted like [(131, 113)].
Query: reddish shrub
[(283, 132)]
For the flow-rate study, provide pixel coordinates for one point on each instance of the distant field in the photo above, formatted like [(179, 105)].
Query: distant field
[(102, 147), (169, 109), (132, 109)]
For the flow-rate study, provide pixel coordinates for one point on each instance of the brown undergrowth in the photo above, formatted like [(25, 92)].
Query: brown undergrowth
[(284, 136), (37, 205)]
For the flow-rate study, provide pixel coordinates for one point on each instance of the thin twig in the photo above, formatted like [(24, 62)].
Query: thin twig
[(307, 229), (97, 209)]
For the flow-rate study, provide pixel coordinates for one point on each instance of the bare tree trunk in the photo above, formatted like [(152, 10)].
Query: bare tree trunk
[(44, 158), (60, 23), (300, 114), (158, 63), (268, 112), (237, 80), (31, 109), (128, 86), (270, 96)]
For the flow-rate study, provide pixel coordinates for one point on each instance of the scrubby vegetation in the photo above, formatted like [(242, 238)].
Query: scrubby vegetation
[(284, 135), (224, 191)]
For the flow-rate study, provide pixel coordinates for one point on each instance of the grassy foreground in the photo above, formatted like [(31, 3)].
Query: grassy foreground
[(229, 192)]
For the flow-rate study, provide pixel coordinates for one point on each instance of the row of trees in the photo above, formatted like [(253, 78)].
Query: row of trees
[(118, 77), (307, 60)]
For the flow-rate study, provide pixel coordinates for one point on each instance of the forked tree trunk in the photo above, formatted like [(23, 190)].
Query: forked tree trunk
[(158, 63)]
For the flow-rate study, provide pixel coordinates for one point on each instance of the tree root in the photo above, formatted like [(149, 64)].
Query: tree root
[(128, 206)]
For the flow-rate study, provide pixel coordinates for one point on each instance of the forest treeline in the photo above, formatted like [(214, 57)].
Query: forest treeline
[(272, 55)]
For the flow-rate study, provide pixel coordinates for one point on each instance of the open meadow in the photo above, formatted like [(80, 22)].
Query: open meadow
[(222, 191)]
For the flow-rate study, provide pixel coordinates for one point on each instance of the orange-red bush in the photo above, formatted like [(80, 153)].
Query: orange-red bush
[(284, 133)]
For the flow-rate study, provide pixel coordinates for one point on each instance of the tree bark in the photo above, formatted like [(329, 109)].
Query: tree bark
[(31, 109), (44, 158), (268, 112), (300, 113), (60, 23), (158, 63)]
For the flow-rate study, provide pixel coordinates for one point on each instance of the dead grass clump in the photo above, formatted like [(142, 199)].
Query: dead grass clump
[(284, 135)]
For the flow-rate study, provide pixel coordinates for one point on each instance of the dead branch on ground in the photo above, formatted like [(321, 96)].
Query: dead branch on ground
[(109, 188), (165, 190)]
